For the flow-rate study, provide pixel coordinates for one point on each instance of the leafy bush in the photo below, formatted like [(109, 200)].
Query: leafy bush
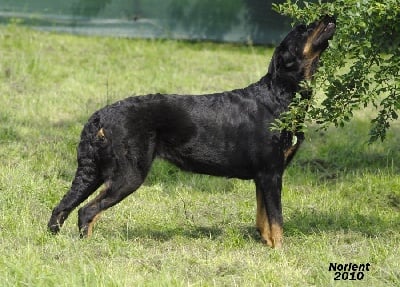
[(362, 66)]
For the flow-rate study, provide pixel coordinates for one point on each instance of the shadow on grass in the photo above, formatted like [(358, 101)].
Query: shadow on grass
[(314, 222), (167, 234), (305, 223), (336, 151), (165, 173)]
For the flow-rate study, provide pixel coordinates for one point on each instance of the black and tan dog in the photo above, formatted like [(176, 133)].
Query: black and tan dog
[(225, 134)]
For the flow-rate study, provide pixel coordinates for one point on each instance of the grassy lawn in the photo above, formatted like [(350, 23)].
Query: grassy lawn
[(341, 196)]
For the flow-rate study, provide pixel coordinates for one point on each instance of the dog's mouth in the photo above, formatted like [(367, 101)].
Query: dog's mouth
[(317, 42), (324, 32)]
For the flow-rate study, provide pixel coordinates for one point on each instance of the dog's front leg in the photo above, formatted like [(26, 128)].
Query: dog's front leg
[(269, 218)]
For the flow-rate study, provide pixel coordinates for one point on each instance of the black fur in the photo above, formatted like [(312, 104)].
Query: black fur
[(225, 134)]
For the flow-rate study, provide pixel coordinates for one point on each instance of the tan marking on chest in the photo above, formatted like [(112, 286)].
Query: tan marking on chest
[(288, 152)]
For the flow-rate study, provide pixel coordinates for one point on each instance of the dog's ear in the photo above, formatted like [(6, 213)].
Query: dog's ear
[(276, 64)]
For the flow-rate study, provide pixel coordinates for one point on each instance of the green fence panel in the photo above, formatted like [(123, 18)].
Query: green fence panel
[(251, 21)]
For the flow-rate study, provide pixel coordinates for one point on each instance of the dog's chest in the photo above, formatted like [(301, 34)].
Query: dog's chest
[(290, 144)]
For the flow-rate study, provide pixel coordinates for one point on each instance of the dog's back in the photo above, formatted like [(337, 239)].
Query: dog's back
[(224, 134)]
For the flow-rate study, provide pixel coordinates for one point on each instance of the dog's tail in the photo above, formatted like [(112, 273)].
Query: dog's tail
[(87, 177)]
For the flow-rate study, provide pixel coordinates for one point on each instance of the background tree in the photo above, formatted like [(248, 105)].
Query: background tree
[(362, 66)]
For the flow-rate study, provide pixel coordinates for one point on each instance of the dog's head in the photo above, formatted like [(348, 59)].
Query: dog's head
[(298, 54)]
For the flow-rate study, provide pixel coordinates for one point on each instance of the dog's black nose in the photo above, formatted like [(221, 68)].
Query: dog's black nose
[(328, 19)]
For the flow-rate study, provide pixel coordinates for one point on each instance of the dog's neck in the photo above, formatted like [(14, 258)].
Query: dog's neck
[(284, 87), (280, 91), (286, 84)]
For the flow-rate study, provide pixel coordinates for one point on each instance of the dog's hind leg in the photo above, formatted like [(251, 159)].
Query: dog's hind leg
[(269, 219), (132, 163), (115, 190), (86, 181)]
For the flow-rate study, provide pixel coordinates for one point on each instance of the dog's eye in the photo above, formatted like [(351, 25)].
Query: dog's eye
[(290, 64), (293, 50), (289, 61), (288, 57)]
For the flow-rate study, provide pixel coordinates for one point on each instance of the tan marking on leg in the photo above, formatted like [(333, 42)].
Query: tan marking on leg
[(262, 220), (102, 190), (276, 235), (91, 224), (96, 200)]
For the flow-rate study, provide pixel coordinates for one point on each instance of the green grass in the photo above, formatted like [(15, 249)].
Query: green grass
[(341, 196)]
